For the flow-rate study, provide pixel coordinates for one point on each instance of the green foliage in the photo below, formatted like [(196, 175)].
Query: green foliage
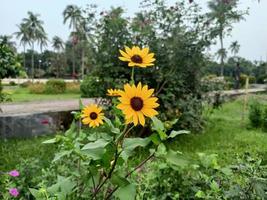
[(55, 86), (92, 87), (9, 65), (264, 120), (258, 115), (204, 178), (73, 87), (37, 88)]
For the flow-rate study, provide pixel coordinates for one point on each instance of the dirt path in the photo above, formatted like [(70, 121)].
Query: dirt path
[(41, 106)]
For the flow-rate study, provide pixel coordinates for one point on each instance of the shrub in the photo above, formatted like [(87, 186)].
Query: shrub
[(55, 86), (204, 179), (73, 87), (37, 88), (12, 83), (255, 114), (264, 120), (25, 84), (92, 86)]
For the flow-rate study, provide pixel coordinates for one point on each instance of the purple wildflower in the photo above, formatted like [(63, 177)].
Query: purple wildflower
[(14, 173), (13, 192)]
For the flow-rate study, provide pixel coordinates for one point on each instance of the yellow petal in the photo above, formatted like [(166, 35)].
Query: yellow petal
[(149, 112), (129, 51), (141, 118), (125, 55)]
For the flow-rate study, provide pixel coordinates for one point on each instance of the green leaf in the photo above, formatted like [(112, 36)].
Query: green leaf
[(37, 194), (72, 129), (173, 134), (157, 125), (130, 144), (176, 158), (112, 127), (155, 138), (119, 180), (96, 149), (200, 194), (214, 186), (127, 192), (81, 106), (161, 150), (51, 141), (66, 185), (100, 143), (61, 154)]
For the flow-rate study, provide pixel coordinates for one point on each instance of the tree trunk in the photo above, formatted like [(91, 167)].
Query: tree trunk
[(82, 62), (57, 65), (24, 57), (32, 61), (73, 61), (222, 56)]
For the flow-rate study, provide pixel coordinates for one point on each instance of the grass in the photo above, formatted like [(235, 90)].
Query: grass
[(226, 134), (19, 94), (16, 151)]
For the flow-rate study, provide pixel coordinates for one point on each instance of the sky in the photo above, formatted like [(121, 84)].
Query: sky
[(251, 33)]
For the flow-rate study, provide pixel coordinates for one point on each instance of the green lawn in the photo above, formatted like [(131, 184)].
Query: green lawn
[(226, 134), (19, 94)]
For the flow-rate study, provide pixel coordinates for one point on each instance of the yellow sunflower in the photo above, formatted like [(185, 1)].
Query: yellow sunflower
[(113, 92), (92, 115), (137, 102), (137, 57)]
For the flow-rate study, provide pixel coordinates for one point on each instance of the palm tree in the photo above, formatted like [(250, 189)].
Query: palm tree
[(23, 36), (235, 47), (73, 15), (223, 13), (42, 41), (58, 45), (35, 31)]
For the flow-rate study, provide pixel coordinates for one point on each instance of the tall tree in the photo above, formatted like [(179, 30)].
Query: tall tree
[(73, 15), (35, 31), (58, 45), (24, 38), (224, 13)]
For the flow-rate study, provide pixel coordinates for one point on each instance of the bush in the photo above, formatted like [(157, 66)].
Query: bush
[(73, 87), (204, 179), (37, 88), (264, 120), (12, 83), (25, 84), (55, 86), (255, 114), (92, 86)]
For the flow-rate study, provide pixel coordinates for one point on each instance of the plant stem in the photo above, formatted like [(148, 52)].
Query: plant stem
[(127, 175)]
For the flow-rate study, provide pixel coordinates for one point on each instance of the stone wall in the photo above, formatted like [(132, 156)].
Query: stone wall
[(29, 125)]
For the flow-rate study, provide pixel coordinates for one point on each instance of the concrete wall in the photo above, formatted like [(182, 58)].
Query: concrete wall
[(28, 125)]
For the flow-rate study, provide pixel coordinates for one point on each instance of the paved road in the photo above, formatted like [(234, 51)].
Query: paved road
[(41, 106)]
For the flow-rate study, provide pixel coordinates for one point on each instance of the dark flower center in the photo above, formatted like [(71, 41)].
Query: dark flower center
[(93, 115), (136, 59), (137, 103)]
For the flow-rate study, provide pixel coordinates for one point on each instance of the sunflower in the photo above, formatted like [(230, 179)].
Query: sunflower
[(92, 115), (113, 92), (137, 57), (137, 102)]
